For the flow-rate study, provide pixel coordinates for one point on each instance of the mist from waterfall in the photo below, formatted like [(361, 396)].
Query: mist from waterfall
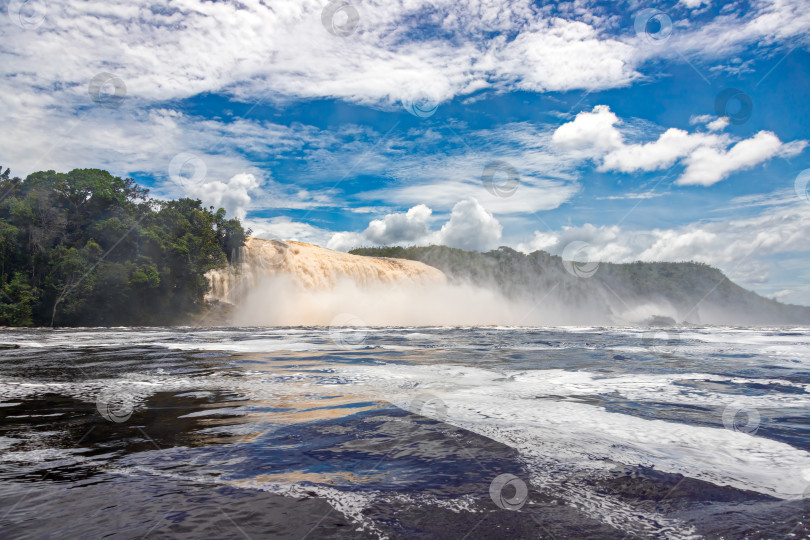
[(276, 283)]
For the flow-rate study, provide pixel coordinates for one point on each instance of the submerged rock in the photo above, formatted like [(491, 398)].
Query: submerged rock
[(660, 320)]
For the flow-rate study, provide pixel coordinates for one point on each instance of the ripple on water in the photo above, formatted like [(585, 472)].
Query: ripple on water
[(281, 432)]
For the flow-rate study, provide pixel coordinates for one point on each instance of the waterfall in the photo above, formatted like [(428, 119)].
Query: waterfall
[(272, 283), (311, 268)]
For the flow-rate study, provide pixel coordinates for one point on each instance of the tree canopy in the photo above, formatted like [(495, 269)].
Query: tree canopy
[(86, 248)]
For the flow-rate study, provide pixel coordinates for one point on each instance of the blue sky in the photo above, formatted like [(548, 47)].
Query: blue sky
[(299, 117)]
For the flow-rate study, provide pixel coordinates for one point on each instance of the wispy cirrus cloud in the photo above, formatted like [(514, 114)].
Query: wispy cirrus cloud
[(189, 66), (400, 48)]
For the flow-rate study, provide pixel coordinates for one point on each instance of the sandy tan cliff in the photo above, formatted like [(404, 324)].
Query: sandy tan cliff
[(312, 268)]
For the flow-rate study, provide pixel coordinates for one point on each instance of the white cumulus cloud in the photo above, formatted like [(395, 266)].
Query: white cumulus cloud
[(672, 145), (718, 125), (398, 228), (708, 165), (692, 4), (590, 133), (233, 195), (707, 157), (470, 227)]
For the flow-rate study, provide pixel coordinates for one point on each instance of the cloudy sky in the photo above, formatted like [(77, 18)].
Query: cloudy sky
[(649, 130)]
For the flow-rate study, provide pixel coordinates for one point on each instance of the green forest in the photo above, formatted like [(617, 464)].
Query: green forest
[(540, 276), (86, 248)]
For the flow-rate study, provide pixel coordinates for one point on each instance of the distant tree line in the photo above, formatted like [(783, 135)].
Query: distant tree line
[(86, 248), (696, 291)]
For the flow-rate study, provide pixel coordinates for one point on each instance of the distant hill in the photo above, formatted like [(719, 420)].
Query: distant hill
[(656, 294)]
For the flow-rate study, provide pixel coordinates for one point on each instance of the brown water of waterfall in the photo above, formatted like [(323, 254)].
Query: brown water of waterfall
[(277, 283), (311, 267)]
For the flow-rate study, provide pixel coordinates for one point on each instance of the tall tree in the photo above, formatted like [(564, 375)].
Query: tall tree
[(89, 248)]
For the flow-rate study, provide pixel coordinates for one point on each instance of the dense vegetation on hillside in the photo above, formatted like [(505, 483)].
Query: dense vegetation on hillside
[(88, 248), (634, 292)]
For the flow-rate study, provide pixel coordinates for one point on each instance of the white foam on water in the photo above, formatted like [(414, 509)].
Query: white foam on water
[(524, 410), (419, 335), (54, 457), (561, 440), (8, 442), (350, 503), (232, 411), (247, 346), (538, 412), (530, 384)]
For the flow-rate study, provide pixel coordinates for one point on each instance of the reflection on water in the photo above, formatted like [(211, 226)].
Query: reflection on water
[(279, 433)]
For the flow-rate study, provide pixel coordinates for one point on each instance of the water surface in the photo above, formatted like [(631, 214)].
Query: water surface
[(405, 432)]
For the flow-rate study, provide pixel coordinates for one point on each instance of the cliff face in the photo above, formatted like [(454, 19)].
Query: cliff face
[(289, 283), (311, 268)]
